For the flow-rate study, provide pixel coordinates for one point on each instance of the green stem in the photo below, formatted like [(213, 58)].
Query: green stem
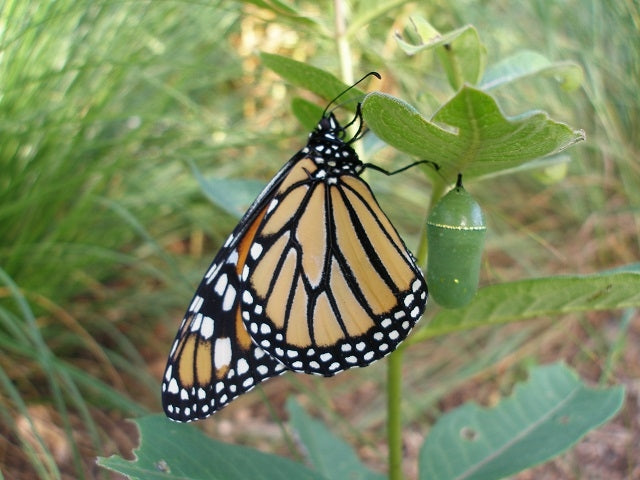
[(394, 413), (344, 53), (342, 42), (394, 369)]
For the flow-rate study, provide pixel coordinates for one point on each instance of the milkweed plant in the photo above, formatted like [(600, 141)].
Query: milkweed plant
[(469, 139)]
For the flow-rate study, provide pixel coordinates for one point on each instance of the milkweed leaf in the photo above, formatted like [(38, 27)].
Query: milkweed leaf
[(541, 419)]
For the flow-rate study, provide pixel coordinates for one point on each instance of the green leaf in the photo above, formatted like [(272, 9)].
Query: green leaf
[(528, 64), (541, 419), (330, 455), (307, 113), (171, 450), (469, 134), (430, 37), (537, 297), (232, 195), (460, 51), (311, 78)]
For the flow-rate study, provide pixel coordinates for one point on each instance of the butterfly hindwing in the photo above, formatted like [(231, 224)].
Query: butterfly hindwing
[(213, 359)]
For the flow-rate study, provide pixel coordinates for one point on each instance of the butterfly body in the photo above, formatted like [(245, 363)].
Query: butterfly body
[(314, 279)]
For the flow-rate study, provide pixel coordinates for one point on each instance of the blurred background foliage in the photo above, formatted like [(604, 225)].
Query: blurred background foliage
[(104, 231)]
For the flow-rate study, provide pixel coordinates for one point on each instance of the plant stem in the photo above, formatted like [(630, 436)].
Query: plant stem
[(394, 369), (394, 413), (342, 42)]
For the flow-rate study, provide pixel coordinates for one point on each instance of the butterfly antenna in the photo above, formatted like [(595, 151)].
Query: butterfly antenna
[(375, 74)]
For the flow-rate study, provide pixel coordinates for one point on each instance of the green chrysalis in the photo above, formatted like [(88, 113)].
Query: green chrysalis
[(455, 231)]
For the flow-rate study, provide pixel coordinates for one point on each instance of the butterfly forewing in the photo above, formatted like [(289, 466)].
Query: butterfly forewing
[(332, 285)]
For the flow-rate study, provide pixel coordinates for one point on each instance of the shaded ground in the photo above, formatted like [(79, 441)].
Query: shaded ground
[(611, 452)]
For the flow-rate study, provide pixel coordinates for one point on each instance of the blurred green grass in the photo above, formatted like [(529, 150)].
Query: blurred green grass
[(102, 106)]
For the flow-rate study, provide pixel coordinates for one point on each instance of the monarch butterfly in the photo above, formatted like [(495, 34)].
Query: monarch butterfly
[(455, 230), (313, 279)]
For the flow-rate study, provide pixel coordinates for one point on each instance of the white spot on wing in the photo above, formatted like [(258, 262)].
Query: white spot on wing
[(197, 320), (212, 272), (233, 258), (173, 348), (242, 366), (248, 382), (272, 205), (196, 304), (247, 298), (206, 331), (408, 300), (220, 285), (256, 250), (222, 355), (229, 298)]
